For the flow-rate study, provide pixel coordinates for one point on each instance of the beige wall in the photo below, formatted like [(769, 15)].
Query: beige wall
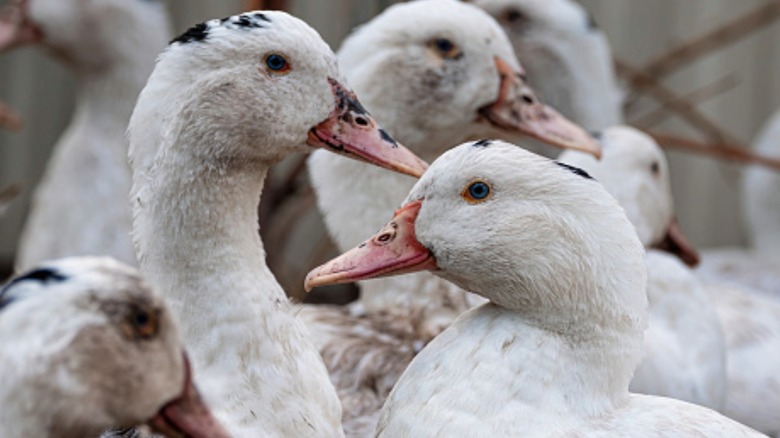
[(706, 191)]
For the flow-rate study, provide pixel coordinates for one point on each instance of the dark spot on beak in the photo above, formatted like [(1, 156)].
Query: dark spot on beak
[(386, 137)]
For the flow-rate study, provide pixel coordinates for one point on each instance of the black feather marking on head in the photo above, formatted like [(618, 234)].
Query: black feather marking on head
[(199, 32), (482, 143), (574, 170), (42, 275)]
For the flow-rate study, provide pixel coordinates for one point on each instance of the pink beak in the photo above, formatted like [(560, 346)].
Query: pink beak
[(393, 251), (350, 130), (187, 416), (16, 29), (676, 243), (518, 109)]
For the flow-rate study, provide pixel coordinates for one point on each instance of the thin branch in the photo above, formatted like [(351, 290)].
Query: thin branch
[(697, 47), (697, 97), (254, 5), (686, 110), (725, 34), (722, 151)]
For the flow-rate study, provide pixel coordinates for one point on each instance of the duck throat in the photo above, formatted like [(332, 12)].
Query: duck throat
[(197, 238)]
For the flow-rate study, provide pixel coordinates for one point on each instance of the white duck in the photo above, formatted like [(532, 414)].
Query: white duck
[(111, 46), (226, 100), (567, 58), (759, 265), (57, 319), (683, 352), (553, 352), (684, 347), (436, 72)]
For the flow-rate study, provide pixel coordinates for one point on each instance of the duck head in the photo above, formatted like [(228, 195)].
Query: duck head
[(566, 56), (440, 71), (257, 87), (528, 233), (105, 350)]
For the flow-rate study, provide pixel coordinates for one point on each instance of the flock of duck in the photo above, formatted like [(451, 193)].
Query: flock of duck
[(522, 296)]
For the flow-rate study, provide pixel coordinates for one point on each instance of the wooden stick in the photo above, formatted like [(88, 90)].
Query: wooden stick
[(254, 5), (721, 151), (673, 102), (697, 47), (725, 34), (698, 96)]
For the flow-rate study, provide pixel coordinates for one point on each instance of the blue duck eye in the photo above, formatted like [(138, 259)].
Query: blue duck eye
[(277, 63), (477, 191)]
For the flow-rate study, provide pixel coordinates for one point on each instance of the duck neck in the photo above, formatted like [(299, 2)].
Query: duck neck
[(198, 243)]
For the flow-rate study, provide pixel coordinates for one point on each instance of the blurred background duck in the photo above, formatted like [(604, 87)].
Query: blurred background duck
[(77, 332), (80, 206)]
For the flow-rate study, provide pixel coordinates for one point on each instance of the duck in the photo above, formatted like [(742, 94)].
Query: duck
[(436, 72), (111, 47), (758, 265), (567, 58), (683, 357), (227, 99), (684, 348), (57, 318), (553, 350)]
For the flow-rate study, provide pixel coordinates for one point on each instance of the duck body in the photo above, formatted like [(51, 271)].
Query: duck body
[(436, 72), (758, 265), (554, 351), (229, 98), (111, 46), (684, 351)]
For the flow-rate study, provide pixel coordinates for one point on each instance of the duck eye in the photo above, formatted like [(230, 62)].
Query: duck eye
[(655, 168), (514, 16), (446, 48), (476, 192), (277, 63), (143, 322)]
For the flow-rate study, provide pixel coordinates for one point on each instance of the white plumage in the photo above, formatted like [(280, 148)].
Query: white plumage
[(552, 354), (218, 110), (80, 207), (85, 345)]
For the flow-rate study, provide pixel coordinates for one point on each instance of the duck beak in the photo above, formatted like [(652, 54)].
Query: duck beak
[(518, 109), (350, 130), (676, 243), (187, 416), (16, 29), (393, 251)]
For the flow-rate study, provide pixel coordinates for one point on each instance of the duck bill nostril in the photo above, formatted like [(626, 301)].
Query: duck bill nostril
[(517, 108), (394, 250), (350, 130)]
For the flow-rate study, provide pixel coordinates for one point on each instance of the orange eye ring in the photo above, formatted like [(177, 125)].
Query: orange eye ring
[(143, 322), (477, 191)]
